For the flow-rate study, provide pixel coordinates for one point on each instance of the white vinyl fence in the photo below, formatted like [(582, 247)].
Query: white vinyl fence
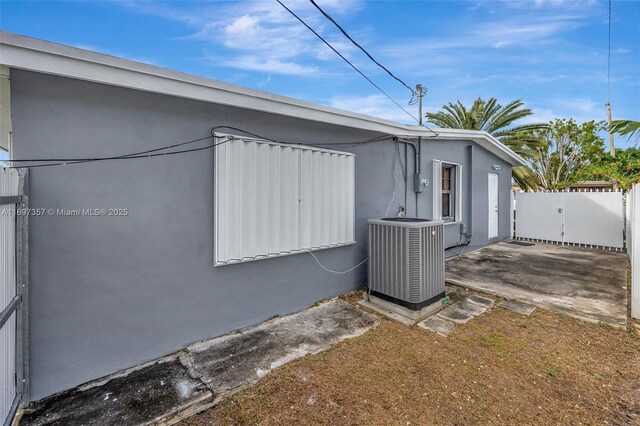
[(8, 295), (13, 287), (633, 246), (592, 219)]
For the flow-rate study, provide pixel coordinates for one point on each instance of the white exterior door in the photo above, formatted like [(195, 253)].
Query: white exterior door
[(493, 205)]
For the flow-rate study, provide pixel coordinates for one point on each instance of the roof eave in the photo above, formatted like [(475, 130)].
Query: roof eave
[(50, 58)]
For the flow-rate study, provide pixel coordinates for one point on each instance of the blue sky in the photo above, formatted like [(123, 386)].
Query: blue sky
[(550, 53)]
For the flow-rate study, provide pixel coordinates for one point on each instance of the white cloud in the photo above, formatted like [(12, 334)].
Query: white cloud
[(551, 4), (580, 106), (256, 63), (526, 31), (263, 35), (580, 109), (374, 105), (520, 32), (540, 3), (540, 115)]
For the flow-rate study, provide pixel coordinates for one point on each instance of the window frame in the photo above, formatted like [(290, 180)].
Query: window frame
[(454, 191), (451, 192)]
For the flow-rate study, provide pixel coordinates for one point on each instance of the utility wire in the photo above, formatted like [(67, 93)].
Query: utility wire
[(156, 151), (346, 60), (336, 272), (140, 153), (415, 97), (344, 32), (111, 158)]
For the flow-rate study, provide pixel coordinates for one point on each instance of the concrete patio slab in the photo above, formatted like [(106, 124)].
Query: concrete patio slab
[(387, 313), (587, 284), (517, 307), (399, 313), (233, 361), (438, 325), (173, 388), (139, 396)]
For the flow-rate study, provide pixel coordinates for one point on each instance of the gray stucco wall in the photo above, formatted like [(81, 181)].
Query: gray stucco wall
[(111, 292)]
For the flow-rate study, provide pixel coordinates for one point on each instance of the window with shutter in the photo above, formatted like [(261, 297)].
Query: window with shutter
[(273, 199)]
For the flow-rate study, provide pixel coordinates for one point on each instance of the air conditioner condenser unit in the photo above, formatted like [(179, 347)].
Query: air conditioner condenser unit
[(406, 261)]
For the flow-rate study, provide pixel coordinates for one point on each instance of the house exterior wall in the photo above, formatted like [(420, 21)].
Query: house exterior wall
[(108, 293)]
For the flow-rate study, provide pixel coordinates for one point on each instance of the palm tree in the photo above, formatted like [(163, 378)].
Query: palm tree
[(495, 119), (626, 127)]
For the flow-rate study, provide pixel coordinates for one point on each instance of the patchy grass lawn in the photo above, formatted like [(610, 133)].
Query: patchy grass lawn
[(500, 368)]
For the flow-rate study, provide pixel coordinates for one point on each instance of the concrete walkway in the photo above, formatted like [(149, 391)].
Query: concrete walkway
[(445, 321), (173, 388), (584, 283)]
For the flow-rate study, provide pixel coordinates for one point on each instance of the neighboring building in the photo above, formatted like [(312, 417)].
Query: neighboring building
[(110, 292), (591, 185)]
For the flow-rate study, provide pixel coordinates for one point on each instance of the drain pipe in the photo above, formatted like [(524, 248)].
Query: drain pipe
[(470, 191), (416, 168), (406, 178)]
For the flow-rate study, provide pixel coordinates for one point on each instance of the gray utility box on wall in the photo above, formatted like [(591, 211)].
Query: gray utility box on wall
[(406, 261)]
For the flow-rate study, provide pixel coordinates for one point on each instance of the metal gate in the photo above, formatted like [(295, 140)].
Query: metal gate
[(593, 219), (13, 287)]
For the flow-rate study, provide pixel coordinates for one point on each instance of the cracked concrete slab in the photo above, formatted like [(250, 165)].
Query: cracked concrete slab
[(139, 396), (172, 388), (455, 314), (438, 325), (481, 300), (471, 308), (233, 361), (517, 307), (583, 283)]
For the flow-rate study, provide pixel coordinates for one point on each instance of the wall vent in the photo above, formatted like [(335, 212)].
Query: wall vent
[(406, 261)]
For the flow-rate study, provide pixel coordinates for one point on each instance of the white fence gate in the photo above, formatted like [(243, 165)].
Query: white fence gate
[(593, 219), (633, 246), (13, 270)]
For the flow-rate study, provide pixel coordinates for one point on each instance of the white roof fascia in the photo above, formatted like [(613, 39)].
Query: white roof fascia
[(50, 58)]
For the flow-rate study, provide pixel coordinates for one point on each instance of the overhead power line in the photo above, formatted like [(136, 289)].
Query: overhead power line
[(346, 60), (355, 43), (162, 151)]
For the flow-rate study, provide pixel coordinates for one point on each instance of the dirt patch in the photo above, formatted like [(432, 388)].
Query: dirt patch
[(500, 368)]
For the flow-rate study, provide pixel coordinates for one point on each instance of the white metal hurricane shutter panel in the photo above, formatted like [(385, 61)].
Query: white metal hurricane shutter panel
[(275, 199)]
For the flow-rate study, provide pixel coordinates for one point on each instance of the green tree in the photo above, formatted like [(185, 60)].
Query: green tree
[(564, 149), (629, 128), (493, 118), (623, 170)]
